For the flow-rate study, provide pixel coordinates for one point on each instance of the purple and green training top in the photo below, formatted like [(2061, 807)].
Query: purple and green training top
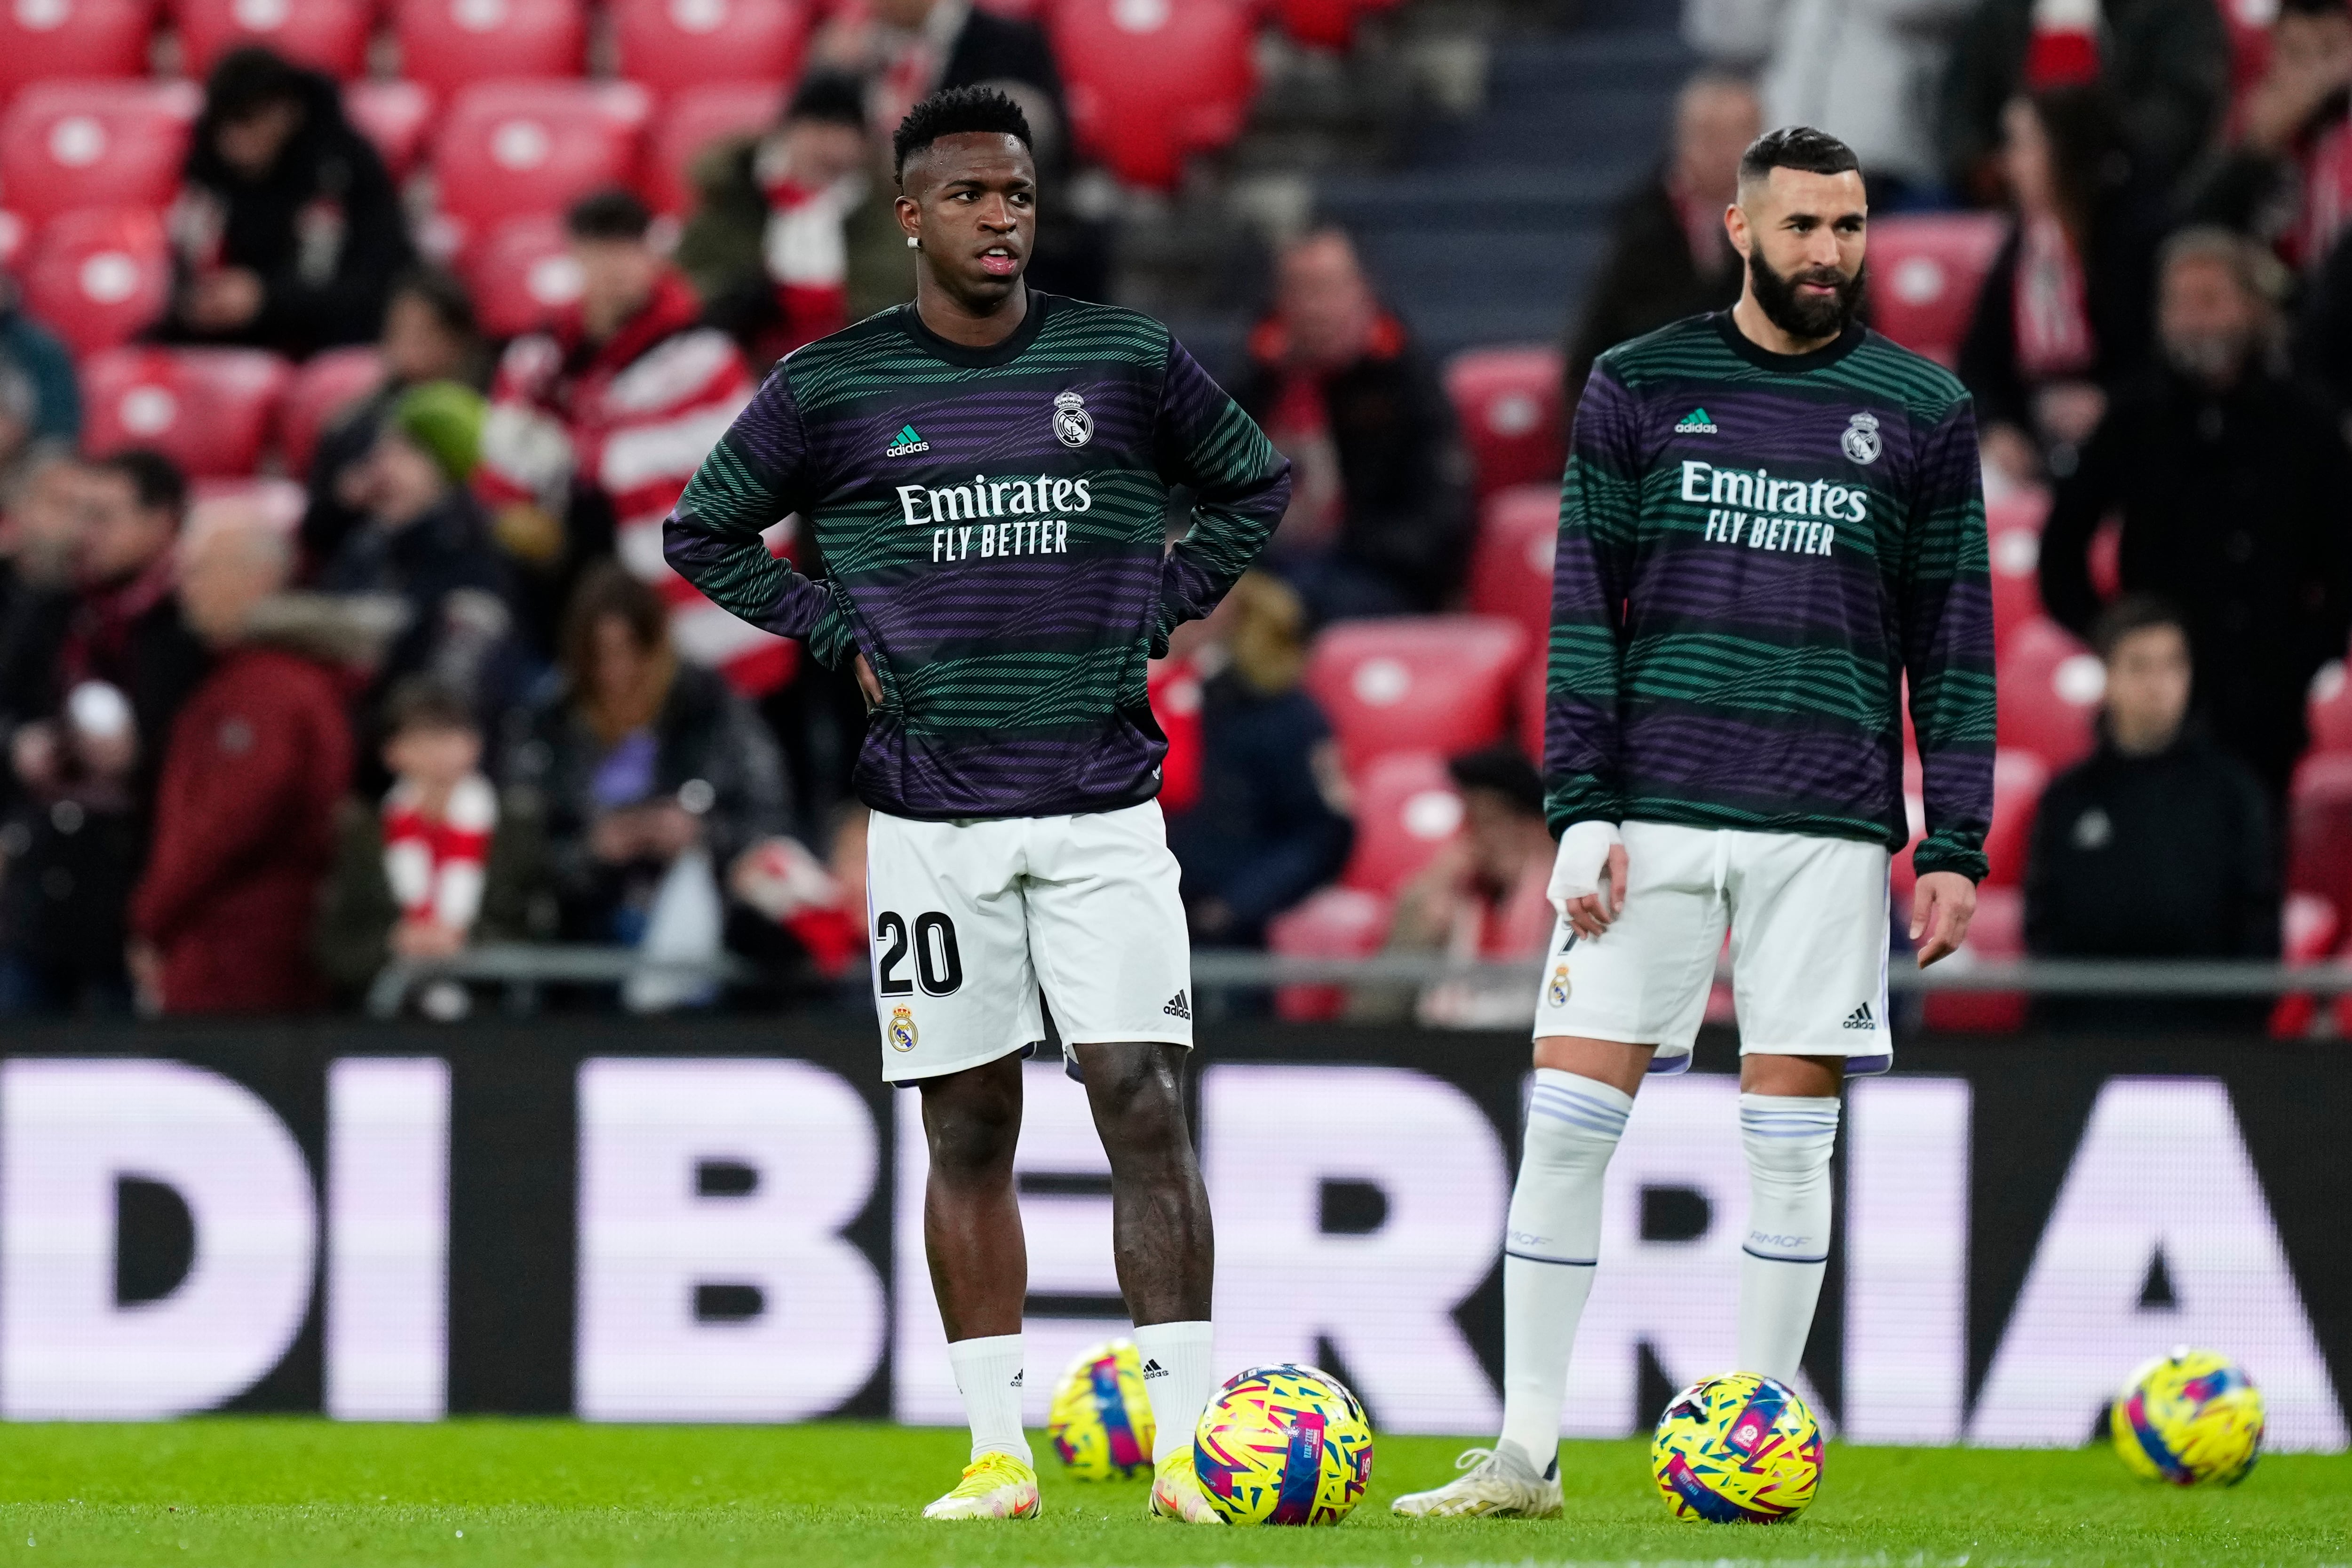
[(993, 526), (1755, 550)]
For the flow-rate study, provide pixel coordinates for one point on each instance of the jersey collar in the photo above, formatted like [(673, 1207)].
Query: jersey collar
[(1765, 359), (989, 358)]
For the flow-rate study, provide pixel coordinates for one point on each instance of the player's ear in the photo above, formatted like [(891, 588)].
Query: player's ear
[(1735, 225), (911, 220)]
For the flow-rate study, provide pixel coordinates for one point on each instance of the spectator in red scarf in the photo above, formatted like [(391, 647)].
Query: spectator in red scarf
[(2286, 173), (2063, 318), (597, 423), (1378, 519)]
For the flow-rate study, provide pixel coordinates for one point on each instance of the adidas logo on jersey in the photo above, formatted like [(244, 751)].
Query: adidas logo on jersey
[(1694, 423), (1860, 1018), (1178, 1007), (904, 442), (1152, 1369)]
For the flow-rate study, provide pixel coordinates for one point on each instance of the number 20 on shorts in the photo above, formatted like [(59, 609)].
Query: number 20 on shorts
[(938, 964)]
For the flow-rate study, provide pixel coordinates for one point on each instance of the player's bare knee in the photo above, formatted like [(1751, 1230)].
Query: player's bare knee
[(971, 1121), (1137, 1095)]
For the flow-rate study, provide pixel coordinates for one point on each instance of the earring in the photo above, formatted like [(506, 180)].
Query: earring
[(914, 243)]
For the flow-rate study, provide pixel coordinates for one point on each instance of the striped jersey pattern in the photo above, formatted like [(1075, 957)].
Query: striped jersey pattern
[(1755, 552), (994, 525)]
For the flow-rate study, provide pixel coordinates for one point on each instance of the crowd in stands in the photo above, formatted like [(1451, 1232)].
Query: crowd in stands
[(339, 411)]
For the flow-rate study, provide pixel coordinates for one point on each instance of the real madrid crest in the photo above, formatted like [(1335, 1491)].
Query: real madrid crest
[(902, 1030), (1860, 438), (1072, 422), (1559, 987)]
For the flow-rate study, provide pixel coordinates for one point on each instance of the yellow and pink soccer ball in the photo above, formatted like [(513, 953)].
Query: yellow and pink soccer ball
[(2188, 1418), (1100, 1421), (1284, 1445), (1736, 1449)]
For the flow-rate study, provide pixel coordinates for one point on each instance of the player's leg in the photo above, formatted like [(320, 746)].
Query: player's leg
[(1809, 934), (1611, 1008), (943, 907), (1106, 935)]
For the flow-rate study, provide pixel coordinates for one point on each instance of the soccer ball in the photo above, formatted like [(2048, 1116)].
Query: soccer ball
[(1284, 1445), (1101, 1418), (1738, 1450), (2188, 1418)]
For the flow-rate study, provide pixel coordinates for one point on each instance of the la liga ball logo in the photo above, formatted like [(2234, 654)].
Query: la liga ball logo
[(902, 1032)]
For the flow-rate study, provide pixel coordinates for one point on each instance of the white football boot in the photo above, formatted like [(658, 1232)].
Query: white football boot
[(1499, 1480), (995, 1486)]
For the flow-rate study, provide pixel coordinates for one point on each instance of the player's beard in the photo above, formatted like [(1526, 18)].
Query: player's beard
[(1806, 316)]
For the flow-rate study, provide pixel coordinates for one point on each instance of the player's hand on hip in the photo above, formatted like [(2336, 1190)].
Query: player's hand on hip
[(869, 685), (1942, 904), (1588, 877)]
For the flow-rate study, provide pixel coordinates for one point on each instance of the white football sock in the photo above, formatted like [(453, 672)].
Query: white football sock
[(988, 1375), (1177, 1380), (1549, 1248), (1788, 1140)]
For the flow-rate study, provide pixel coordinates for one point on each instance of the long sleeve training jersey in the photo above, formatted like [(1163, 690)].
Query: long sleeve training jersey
[(994, 522), (1755, 550)]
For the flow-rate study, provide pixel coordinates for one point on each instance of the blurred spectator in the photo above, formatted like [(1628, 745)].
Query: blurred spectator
[(428, 540), (1265, 831), (1379, 520), (795, 910), (442, 862), (258, 762), (653, 776), (2286, 173), (597, 423), (429, 334), (919, 45), (2063, 315), (1668, 255), (41, 534), (1481, 898), (2164, 63), (40, 400), (793, 235), (1866, 72), (287, 227), (2231, 484), (2158, 847)]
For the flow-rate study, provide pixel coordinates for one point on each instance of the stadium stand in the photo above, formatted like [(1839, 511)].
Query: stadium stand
[(449, 44), (67, 145), (395, 115), (1153, 82), (331, 35), (2329, 709), (211, 411), (72, 40), (1925, 270), (1428, 683), (1406, 810), (1337, 922), (674, 45), (691, 121), (97, 276), (1508, 403), (2050, 687), (1510, 568), (521, 274), (2013, 540), (320, 391), (510, 149)]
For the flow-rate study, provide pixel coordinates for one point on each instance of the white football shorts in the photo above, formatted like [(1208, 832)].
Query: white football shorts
[(1808, 919), (969, 919)]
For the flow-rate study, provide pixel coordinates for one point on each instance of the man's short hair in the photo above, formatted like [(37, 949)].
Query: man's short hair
[(1500, 770), (1799, 147), (2132, 614), (2254, 267), (425, 702), (609, 214), (830, 97), (247, 80), (154, 479), (956, 111), (443, 293)]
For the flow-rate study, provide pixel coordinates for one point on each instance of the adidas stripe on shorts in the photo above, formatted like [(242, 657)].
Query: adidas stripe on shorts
[(1807, 921), (970, 919)]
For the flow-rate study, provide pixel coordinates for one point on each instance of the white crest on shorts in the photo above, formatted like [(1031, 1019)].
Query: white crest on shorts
[(1860, 438), (1072, 424)]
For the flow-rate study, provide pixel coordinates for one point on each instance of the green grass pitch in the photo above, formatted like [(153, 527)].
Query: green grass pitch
[(259, 1493)]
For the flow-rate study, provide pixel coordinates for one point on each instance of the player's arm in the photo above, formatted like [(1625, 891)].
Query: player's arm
[(1241, 487), (1945, 605), (751, 480), (1600, 509)]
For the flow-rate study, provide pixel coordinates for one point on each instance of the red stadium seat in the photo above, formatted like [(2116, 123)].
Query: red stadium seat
[(100, 276), (1510, 570), (1153, 82), (1998, 931), (394, 116), (323, 389), (1927, 270), (509, 148), (521, 275), (1173, 686), (67, 145), (448, 44), (72, 40), (1407, 809), (1528, 707), (208, 409), (2308, 925), (2049, 691), (2018, 780), (331, 35), (671, 46), (691, 121), (1337, 923), (2319, 828), (1507, 401), (2013, 535), (1421, 683), (2329, 708), (1323, 24)]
